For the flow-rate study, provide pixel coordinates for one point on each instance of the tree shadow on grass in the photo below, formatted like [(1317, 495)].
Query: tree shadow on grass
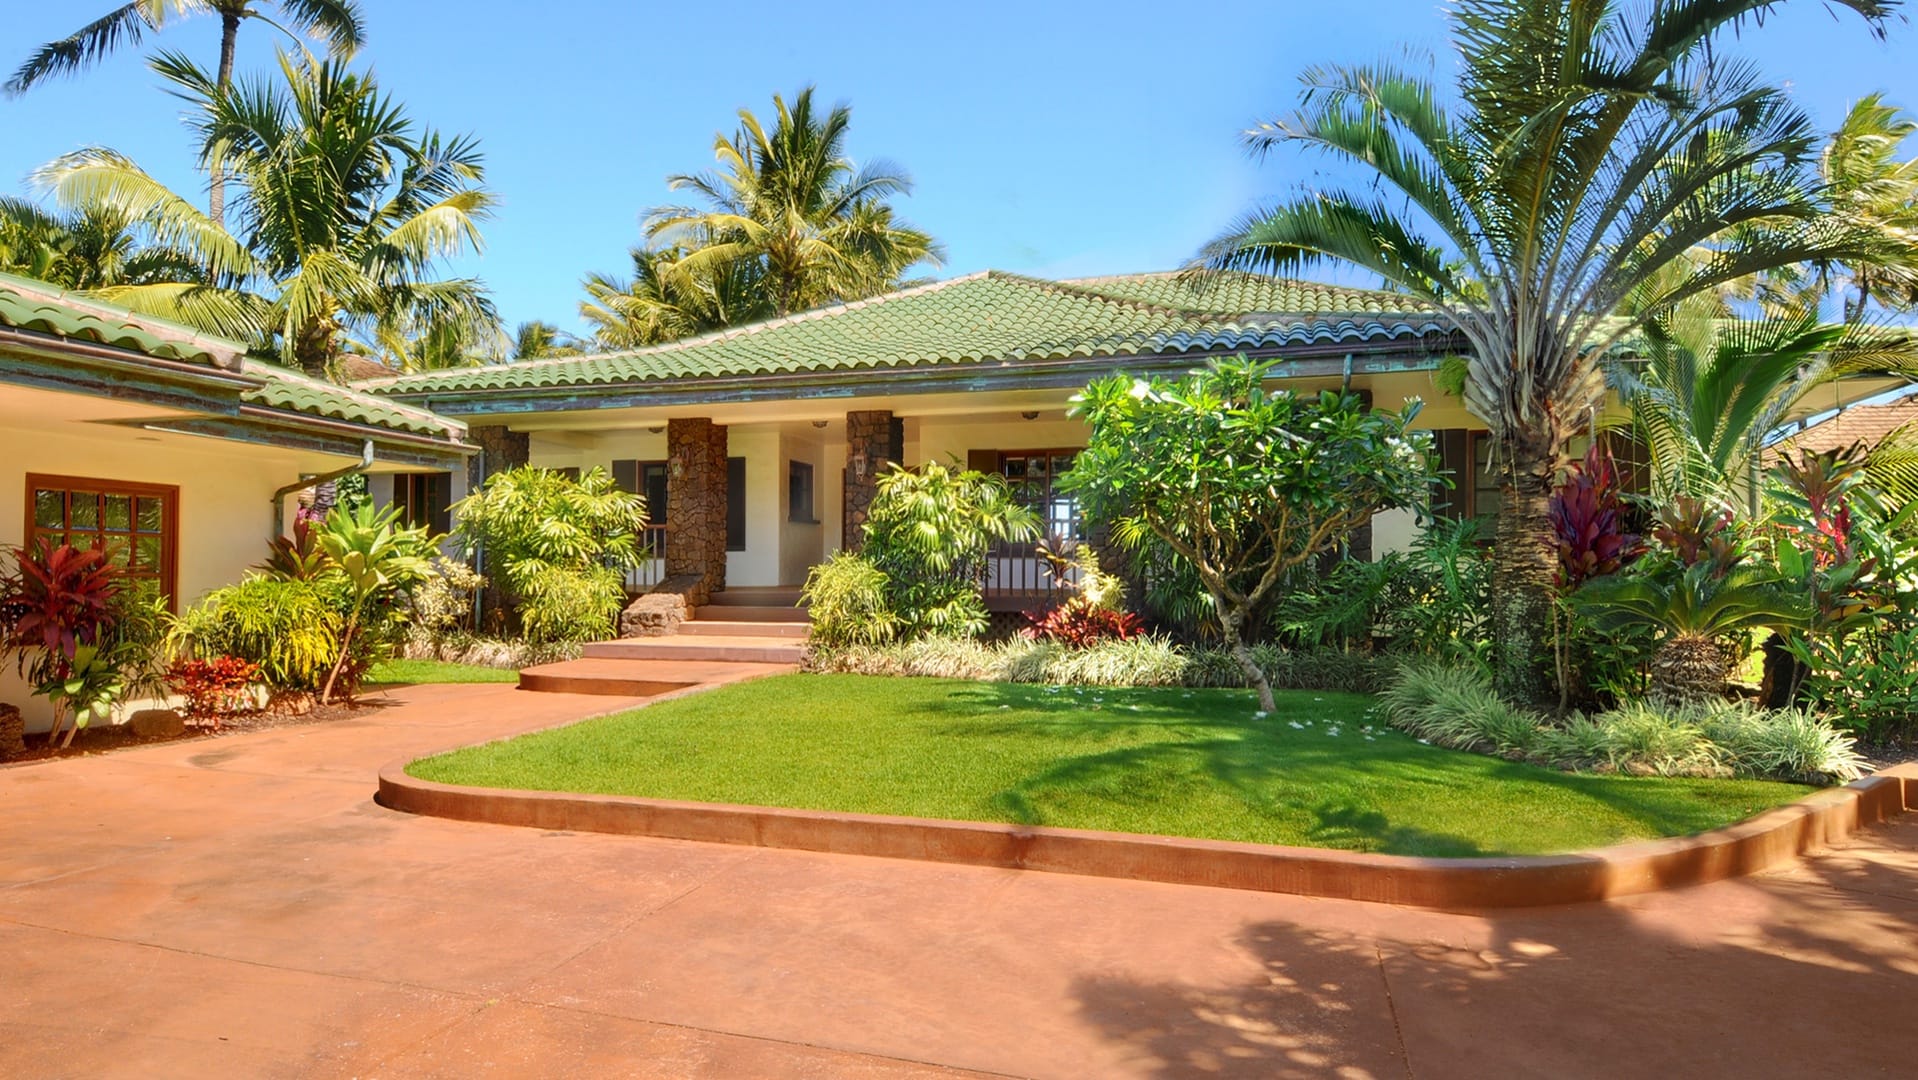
[(1139, 750), (1802, 975)]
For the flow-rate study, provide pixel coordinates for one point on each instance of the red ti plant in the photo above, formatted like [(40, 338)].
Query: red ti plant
[(1815, 488), (55, 600), (1588, 519), (1700, 530), (215, 688)]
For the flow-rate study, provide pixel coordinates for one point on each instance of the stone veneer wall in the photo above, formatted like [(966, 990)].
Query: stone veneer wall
[(874, 437), (501, 448), (696, 491)]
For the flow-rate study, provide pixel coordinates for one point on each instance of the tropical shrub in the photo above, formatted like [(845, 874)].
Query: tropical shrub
[(1146, 660), (845, 598), (555, 543), (1868, 679), (440, 608), (928, 530), (61, 610), (371, 563), (214, 689), (290, 628), (1431, 600), (1078, 625), (1702, 587), (1587, 513), (1242, 483), (1456, 707), (561, 605)]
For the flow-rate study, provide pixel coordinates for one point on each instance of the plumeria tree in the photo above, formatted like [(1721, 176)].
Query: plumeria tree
[(1242, 482)]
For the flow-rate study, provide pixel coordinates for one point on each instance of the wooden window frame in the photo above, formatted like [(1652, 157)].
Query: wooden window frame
[(168, 494), (1078, 515), (437, 520)]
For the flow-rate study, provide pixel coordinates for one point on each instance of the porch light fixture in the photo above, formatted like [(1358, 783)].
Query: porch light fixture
[(1029, 416), (657, 430), (859, 466), (820, 424), (677, 467)]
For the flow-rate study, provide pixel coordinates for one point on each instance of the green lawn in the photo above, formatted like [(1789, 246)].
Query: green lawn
[(414, 672), (1187, 763)]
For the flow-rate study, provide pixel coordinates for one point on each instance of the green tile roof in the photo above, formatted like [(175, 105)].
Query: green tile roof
[(990, 317), (290, 391), (37, 306), (32, 305)]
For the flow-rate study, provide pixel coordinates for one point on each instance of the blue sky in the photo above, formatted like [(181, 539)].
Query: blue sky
[(1050, 138)]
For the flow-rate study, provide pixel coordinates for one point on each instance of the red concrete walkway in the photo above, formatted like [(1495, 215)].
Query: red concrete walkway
[(240, 907)]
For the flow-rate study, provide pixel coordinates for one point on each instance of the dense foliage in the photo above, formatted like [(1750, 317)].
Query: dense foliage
[(928, 531), (559, 547)]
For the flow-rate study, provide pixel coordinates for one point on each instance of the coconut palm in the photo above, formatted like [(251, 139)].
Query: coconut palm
[(96, 249), (788, 199), (536, 340), (336, 22), (344, 214), (1592, 147), (665, 300), (1708, 395), (1872, 188)]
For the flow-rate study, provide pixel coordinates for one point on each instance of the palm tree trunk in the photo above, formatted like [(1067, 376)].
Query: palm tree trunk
[(1525, 573), (229, 41), (1688, 668)]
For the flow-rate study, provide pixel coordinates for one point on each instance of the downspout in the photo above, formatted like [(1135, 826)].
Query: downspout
[(279, 497)]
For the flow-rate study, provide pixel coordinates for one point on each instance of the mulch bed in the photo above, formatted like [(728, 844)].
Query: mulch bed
[(109, 738)]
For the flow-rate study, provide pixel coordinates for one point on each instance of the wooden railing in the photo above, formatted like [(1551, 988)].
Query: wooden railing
[(652, 564), (1018, 579)]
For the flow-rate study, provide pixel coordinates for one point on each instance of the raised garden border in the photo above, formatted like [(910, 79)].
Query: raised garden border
[(1770, 839)]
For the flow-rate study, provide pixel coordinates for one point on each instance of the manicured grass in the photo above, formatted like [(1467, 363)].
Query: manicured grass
[(1186, 763), (415, 672)]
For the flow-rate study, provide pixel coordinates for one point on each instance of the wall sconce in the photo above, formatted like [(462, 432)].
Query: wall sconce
[(677, 467), (1029, 416), (859, 466)]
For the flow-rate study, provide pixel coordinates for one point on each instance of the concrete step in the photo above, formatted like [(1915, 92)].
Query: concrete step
[(745, 613), (755, 596), (613, 678), (750, 650), (706, 626)]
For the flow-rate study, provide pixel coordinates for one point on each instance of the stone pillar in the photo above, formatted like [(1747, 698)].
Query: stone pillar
[(696, 494), (501, 449), (873, 439)]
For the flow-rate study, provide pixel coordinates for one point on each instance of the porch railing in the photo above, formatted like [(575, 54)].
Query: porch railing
[(652, 564), (1017, 579)]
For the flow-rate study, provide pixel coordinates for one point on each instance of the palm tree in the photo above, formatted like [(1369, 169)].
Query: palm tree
[(337, 22), (536, 340), (665, 300), (344, 215), (1870, 187), (95, 249), (1591, 149), (819, 228), (1709, 395)]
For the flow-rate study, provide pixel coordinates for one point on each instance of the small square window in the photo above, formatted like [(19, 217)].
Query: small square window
[(799, 506)]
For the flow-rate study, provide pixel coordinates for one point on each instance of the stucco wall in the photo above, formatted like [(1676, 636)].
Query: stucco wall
[(225, 515)]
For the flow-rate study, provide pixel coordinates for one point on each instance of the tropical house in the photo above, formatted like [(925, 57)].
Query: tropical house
[(172, 449), (759, 447)]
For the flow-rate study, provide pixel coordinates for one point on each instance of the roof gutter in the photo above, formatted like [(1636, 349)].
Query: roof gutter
[(279, 497)]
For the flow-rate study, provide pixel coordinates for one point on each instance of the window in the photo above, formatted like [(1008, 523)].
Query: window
[(137, 525), (422, 499), (736, 504), (1465, 458), (1033, 476), (647, 478), (799, 493)]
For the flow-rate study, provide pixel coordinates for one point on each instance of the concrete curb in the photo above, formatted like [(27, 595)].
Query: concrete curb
[(1770, 839)]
